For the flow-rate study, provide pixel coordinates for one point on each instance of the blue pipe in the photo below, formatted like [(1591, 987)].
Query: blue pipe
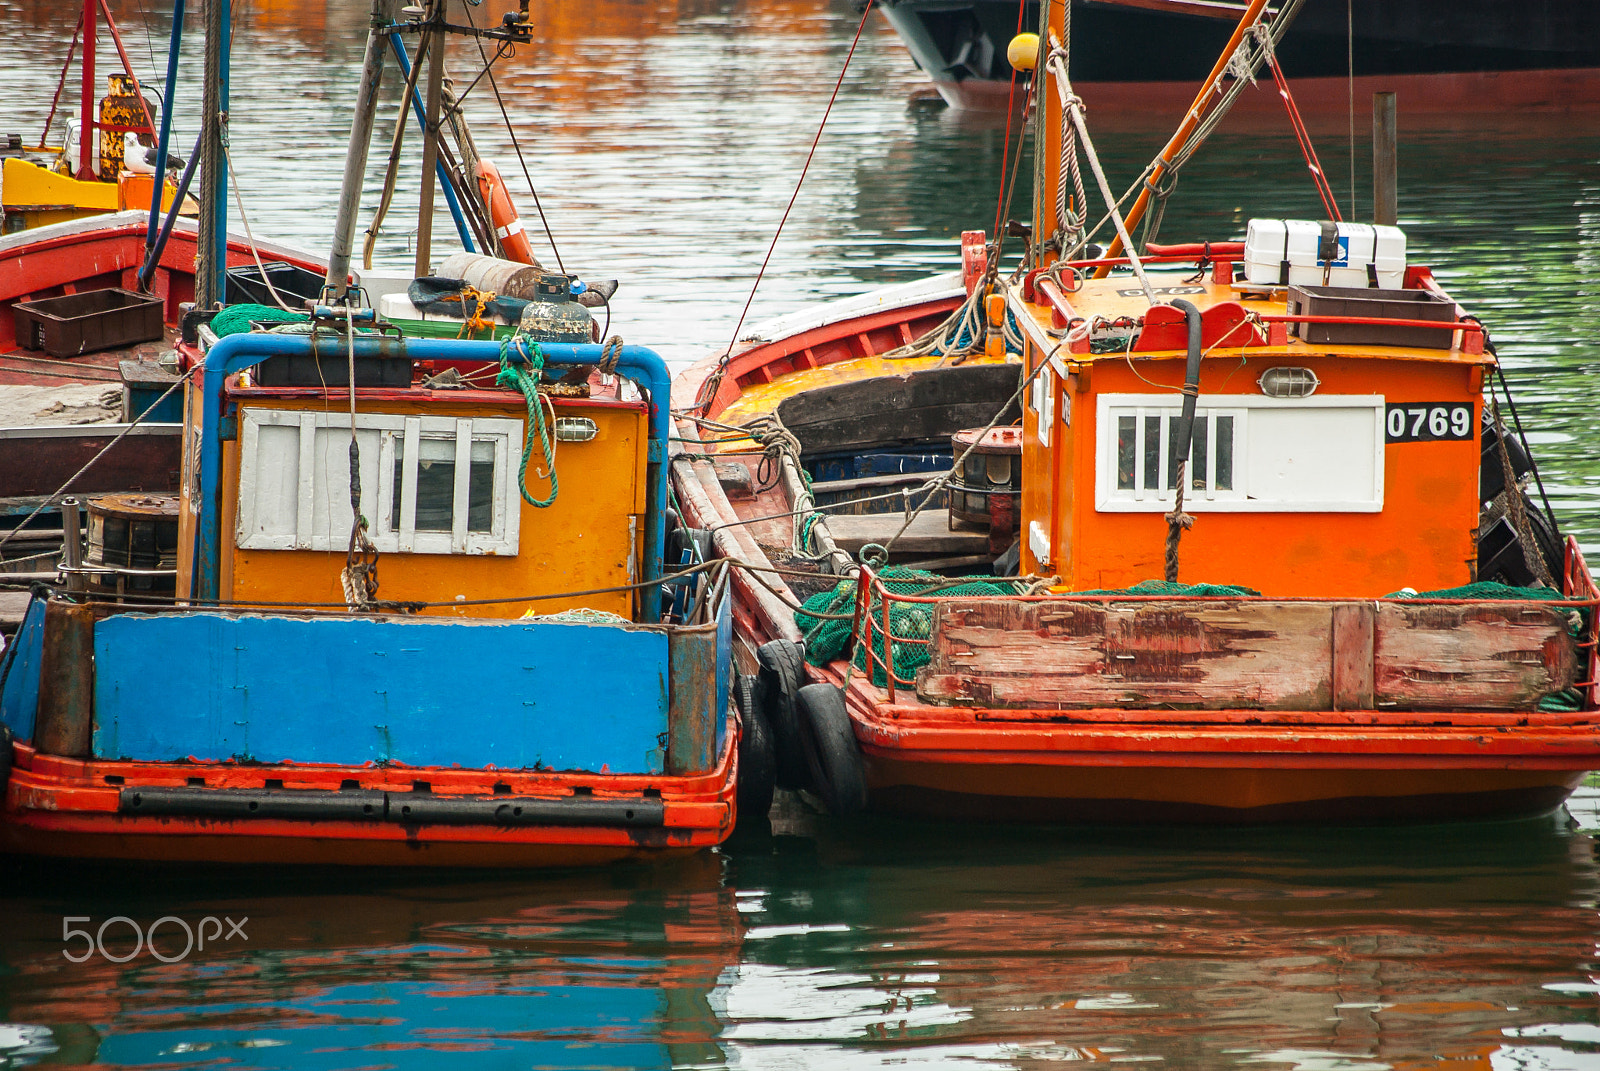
[(153, 253), (170, 96), (445, 184), (237, 352), (219, 207)]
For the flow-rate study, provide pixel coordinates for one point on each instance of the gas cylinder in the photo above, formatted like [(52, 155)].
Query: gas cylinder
[(553, 315), (119, 110)]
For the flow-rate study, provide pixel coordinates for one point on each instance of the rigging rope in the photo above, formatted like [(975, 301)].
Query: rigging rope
[(395, 144), (514, 143), (715, 379), (1301, 135)]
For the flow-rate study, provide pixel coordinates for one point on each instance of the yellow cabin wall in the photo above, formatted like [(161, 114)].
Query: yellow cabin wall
[(580, 542), (1424, 537)]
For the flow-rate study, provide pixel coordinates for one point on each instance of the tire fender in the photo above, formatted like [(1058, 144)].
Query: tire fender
[(757, 762), (838, 774), (781, 674)]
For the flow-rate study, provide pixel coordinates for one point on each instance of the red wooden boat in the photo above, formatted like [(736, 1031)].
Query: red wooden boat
[(1340, 449)]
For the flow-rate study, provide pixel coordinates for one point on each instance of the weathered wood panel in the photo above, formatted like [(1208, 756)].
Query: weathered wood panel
[(1203, 655), (1490, 656), (1243, 655), (1354, 628)]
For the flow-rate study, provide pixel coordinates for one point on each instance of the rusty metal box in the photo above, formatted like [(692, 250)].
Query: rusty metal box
[(1372, 304), (73, 324)]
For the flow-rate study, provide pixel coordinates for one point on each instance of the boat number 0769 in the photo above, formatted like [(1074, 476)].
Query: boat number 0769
[(1422, 422)]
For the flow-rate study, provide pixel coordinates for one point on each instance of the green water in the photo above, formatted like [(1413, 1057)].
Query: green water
[(666, 140)]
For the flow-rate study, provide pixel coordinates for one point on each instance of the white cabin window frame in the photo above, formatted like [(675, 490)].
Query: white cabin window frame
[(281, 509), (1269, 438)]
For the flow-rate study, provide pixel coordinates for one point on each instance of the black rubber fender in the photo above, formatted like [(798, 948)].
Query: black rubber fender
[(758, 764), (837, 772), (782, 672), (5, 762)]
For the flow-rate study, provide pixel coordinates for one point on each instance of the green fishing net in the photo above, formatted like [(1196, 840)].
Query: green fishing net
[(238, 319), (827, 640)]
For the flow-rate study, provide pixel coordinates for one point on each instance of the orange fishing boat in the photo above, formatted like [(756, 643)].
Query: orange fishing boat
[(964, 549)]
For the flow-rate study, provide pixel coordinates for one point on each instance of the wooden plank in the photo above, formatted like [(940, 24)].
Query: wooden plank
[(1354, 625), (13, 607), (1266, 655), (928, 536), (1489, 656), (1207, 655)]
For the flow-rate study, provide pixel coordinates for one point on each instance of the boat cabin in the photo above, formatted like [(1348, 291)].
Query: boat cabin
[(441, 487), (1333, 453)]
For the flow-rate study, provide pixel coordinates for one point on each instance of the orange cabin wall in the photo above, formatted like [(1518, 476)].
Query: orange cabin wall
[(1423, 538), (578, 543)]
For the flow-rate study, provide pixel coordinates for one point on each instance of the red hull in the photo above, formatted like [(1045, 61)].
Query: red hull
[(66, 808), (1472, 97)]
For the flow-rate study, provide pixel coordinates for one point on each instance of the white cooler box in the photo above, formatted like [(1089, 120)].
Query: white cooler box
[(1361, 252)]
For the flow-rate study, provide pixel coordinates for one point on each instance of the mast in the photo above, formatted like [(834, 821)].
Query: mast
[(212, 240), (86, 120), (355, 161), (430, 136)]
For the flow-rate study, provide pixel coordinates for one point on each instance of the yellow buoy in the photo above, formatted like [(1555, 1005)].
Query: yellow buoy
[(1023, 51)]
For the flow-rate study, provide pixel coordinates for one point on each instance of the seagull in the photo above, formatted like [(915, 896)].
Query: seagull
[(141, 159)]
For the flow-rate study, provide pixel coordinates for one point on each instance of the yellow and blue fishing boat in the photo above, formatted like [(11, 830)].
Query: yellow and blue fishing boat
[(222, 677)]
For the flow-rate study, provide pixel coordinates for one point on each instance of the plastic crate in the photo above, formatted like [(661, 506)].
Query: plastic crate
[(294, 285), (73, 324), (1372, 304)]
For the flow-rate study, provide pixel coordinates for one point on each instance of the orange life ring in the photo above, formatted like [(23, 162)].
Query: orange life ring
[(503, 214)]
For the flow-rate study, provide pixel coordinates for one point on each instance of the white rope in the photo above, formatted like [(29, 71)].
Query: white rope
[(1072, 108), (238, 200)]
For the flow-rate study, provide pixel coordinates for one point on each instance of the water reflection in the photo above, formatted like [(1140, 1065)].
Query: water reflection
[(883, 944), (614, 972)]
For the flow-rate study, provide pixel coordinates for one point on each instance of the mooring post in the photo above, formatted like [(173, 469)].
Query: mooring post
[(1385, 161)]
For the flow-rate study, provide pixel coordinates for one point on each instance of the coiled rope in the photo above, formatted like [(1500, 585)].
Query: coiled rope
[(524, 376)]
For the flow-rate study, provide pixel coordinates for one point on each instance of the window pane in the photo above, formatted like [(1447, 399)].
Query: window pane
[(1127, 450), (436, 484), (399, 473), (1197, 467), (1152, 453), (1224, 453), (480, 487)]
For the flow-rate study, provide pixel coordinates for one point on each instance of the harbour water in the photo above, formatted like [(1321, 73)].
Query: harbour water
[(665, 141)]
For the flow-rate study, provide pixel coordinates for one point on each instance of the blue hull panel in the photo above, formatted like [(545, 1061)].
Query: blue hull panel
[(19, 673), (513, 695)]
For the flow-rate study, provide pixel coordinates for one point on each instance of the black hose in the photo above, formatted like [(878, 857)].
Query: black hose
[(1183, 439)]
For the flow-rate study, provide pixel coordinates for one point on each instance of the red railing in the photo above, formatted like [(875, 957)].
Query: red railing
[(1579, 584)]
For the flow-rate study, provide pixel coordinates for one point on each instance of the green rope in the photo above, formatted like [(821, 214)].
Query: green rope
[(525, 377), (237, 319)]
